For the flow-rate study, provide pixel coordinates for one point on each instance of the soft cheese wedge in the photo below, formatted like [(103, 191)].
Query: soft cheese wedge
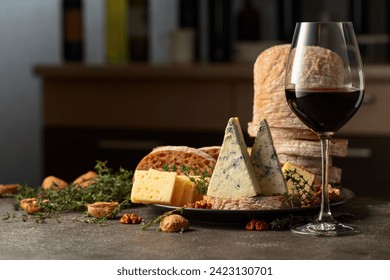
[(233, 175), (299, 174), (161, 187), (266, 164)]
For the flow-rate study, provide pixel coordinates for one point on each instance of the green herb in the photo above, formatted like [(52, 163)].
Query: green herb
[(107, 186), (6, 216), (158, 219), (302, 193), (287, 222)]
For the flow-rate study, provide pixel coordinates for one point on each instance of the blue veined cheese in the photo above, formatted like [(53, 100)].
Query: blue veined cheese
[(266, 164), (233, 175)]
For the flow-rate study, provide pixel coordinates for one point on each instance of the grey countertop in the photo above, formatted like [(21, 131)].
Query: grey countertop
[(67, 239)]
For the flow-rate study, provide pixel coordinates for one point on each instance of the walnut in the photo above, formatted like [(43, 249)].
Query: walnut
[(258, 225), (8, 189), (102, 209), (130, 219), (174, 223), (201, 204), (30, 205), (52, 182), (86, 179)]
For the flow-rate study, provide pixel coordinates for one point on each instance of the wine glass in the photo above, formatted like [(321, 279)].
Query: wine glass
[(324, 88)]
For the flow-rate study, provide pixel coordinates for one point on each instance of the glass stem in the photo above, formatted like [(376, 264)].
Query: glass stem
[(325, 214)]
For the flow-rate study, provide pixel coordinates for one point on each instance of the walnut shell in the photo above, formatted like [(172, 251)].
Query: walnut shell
[(101, 209), (86, 179), (8, 189), (30, 205), (174, 223), (52, 182)]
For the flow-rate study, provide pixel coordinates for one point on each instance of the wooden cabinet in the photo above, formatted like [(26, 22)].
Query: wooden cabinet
[(119, 113), (146, 97)]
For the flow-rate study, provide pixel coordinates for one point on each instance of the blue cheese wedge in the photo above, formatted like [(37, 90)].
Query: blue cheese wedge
[(233, 175), (266, 164)]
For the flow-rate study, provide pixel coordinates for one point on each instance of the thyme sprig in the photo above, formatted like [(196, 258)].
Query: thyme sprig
[(107, 186), (301, 194)]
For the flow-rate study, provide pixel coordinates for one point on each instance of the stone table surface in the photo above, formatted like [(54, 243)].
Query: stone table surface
[(68, 238)]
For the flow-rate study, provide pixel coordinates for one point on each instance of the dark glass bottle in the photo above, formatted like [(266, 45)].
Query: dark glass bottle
[(248, 23), (220, 37), (72, 31)]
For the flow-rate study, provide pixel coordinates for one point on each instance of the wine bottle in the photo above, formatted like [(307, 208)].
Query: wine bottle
[(72, 34), (189, 19), (220, 30), (138, 31), (248, 23), (117, 31)]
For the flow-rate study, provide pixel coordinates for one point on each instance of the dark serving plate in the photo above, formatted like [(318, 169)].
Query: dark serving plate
[(241, 216)]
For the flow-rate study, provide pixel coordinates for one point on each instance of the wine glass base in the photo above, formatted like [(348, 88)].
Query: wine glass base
[(325, 229)]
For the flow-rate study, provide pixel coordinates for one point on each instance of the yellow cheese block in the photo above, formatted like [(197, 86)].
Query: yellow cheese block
[(306, 175), (187, 190), (153, 186)]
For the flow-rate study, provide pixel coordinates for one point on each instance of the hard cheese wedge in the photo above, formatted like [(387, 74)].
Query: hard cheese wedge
[(153, 186), (233, 175), (266, 164), (186, 188), (298, 173)]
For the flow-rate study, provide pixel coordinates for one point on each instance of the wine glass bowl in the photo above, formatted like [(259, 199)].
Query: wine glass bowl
[(324, 87)]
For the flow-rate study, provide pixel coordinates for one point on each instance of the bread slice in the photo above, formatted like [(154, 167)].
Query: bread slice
[(212, 151), (171, 156)]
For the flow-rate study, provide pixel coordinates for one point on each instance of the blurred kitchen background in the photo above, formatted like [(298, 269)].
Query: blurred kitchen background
[(87, 80)]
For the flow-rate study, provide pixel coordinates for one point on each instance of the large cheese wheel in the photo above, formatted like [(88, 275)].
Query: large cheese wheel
[(293, 140)]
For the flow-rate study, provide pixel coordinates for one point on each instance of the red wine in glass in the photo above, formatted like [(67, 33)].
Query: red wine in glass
[(325, 109)]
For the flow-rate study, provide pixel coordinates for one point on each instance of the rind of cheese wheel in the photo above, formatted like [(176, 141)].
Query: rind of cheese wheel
[(269, 96), (317, 67), (314, 166), (306, 148), (293, 133), (159, 157), (320, 66), (313, 162), (246, 203)]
